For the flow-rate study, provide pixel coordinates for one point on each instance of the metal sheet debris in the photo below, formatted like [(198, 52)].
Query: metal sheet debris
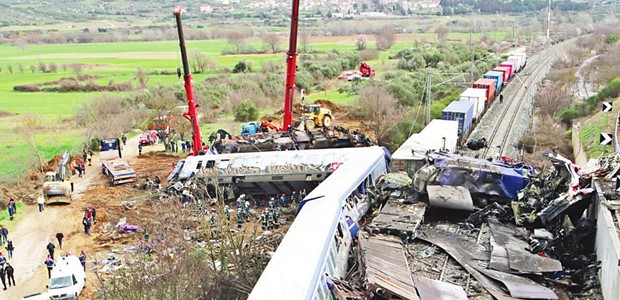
[(401, 220), (519, 259), (430, 289), (385, 268), (453, 197), (469, 254)]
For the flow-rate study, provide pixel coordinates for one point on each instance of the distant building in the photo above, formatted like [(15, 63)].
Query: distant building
[(206, 8)]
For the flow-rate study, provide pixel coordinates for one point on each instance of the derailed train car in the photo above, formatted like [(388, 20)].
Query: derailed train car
[(483, 179)]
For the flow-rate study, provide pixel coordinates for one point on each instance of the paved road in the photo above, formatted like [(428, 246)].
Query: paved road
[(35, 230), (583, 88)]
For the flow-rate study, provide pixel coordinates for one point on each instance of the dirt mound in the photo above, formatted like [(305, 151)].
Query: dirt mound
[(324, 103), (5, 114)]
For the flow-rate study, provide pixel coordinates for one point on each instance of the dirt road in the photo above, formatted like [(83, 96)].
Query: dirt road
[(37, 229)]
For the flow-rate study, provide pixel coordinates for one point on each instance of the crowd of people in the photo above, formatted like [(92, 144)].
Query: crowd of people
[(268, 217), (89, 218)]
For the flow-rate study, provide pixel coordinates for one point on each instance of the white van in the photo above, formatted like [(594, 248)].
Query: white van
[(68, 279)]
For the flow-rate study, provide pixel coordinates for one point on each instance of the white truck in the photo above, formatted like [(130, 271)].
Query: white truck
[(68, 279), (112, 163)]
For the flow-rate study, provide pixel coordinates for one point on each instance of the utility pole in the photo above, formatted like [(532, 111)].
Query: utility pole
[(429, 83), (548, 19), (471, 44)]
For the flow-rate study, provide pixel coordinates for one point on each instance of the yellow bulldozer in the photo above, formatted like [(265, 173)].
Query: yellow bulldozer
[(316, 116), (57, 187)]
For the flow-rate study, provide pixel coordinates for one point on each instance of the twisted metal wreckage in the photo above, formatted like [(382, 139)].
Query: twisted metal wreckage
[(541, 234)]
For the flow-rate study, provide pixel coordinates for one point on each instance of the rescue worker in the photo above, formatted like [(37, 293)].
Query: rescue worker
[(272, 203), (139, 149), (294, 197), (2, 260), (239, 218), (49, 263), (93, 212), (247, 211), (283, 201), (83, 259), (501, 98), (263, 220), (213, 218), (227, 214), (124, 139), (270, 220)]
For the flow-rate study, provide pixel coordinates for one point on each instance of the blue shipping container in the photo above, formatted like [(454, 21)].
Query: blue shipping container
[(461, 111), (498, 77)]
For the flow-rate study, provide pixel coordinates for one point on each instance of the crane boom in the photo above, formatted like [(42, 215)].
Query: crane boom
[(291, 58), (190, 114)]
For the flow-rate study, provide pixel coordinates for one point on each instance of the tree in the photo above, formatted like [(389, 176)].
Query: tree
[(200, 62), (305, 40), (361, 41), (10, 68), (42, 67), (77, 69), (380, 110), (236, 38), (20, 67), (142, 78), (246, 111), (442, 32), (242, 67), (271, 41), (385, 37), (53, 67), (33, 68)]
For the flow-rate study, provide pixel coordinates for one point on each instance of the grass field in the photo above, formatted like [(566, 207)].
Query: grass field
[(118, 62)]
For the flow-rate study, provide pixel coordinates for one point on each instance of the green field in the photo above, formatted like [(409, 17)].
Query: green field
[(118, 62)]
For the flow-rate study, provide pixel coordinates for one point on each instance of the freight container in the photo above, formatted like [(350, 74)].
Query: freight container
[(437, 135), (478, 97), (488, 85), (461, 111), (517, 61), (523, 57), (498, 77), (510, 65), (506, 72)]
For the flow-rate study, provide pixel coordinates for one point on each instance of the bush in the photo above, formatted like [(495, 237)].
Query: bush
[(246, 111), (567, 115), (369, 54), (242, 67)]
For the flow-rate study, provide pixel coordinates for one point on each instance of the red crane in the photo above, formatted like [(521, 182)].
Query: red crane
[(291, 58), (190, 114)]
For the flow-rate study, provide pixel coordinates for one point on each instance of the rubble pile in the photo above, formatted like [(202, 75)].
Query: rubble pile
[(537, 246)]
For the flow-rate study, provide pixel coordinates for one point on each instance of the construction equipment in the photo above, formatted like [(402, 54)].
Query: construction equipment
[(366, 70), (291, 57), (192, 105), (316, 116), (112, 163), (57, 187)]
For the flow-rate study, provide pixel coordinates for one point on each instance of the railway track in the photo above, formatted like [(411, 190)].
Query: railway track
[(500, 134)]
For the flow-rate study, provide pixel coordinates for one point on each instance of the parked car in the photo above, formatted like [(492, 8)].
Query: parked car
[(148, 138), (68, 279)]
